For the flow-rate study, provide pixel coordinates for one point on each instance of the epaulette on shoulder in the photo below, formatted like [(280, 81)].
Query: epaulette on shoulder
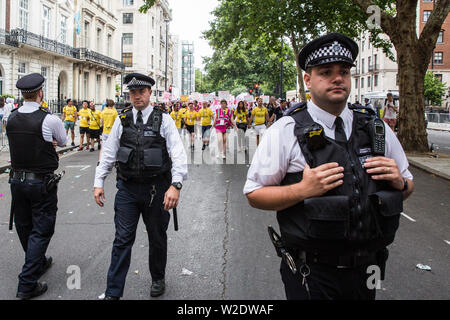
[(46, 110), (361, 109), (295, 108), (125, 110), (14, 110)]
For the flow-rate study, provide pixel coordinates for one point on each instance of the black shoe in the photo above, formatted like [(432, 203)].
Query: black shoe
[(40, 289), (47, 265), (99, 147), (158, 288), (204, 146), (92, 150), (73, 144), (111, 298)]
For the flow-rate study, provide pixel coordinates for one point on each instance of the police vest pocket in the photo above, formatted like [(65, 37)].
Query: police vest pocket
[(123, 154), (327, 217), (388, 205), (153, 157)]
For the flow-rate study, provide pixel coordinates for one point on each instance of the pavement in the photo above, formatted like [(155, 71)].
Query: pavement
[(222, 250)]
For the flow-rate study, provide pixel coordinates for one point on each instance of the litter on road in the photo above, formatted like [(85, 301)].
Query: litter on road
[(186, 272), (423, 267)]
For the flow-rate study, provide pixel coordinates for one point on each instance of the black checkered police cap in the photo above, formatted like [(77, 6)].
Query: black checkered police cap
[(30, 83), (333, 47), (138, 81)]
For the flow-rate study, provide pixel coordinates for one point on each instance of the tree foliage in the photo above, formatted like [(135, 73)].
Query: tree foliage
[(434, 89), (242, 65), (146, 6)]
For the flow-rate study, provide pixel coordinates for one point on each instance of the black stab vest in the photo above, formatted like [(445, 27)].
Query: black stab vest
[(29, 151), (142, 154), (362, 213)]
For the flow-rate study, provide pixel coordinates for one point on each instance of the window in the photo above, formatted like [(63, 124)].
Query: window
[(369, 81), (127, 38), (1, 82), (99, 40), (375, 81), (86, 35), (21, 72), (426, 15), (153, 22), (108, 45), (153, 66), (128, 2), (23, 14), (85, 84), (440, 38), (44, 73), (369, 60), (356, 83), (363, 44), (127, 59), (127, 18), (362, 83), (153, 41), (63, 29), (438, 57), (98, 87), (362, 66), (375, 60), (45, 21)]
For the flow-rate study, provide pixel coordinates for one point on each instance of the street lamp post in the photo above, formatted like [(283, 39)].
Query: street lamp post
[(167, 50), (121, 60), (281, 69)]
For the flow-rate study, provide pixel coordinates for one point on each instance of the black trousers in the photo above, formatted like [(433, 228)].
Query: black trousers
[(327, 283), (132, 200), (35, 218)]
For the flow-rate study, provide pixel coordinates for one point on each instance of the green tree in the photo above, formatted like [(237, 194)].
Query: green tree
[(147, 5), (414, 53), (434, 89)]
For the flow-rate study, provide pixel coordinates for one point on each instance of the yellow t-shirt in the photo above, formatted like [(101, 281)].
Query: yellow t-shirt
[(176, 116), (241, 117), (205, 114), (259, 115), (95, 119), (109, 116), (69, 112), (189, 117), (84, 115)]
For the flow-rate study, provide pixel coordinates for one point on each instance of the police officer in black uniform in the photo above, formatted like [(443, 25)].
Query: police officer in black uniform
[(33, 134), (151, 166), (337, 184)]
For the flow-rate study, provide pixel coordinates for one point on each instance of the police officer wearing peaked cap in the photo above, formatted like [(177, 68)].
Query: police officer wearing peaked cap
[(151, 166), (337, 190), (33, 134)]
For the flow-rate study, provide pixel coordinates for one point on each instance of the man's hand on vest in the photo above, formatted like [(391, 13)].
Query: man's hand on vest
[(322, 179), (171, 198), (99, 196), (382, 168)]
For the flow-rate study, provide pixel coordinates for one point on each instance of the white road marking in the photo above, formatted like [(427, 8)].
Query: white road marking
[(407, 217), (82, 167), (448, 242)]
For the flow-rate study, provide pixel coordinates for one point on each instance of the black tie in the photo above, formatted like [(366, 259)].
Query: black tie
[(339, 133), (139, 120)]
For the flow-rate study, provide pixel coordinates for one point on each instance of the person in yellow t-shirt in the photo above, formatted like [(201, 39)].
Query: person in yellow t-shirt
[(176, 116), (261, 115), (108, 117), (182, 111), (84, 116), (241, 117), (69, 117), (94, 126), (205, 114), (189, 119)]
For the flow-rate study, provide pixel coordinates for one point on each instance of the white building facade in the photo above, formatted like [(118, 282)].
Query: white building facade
[(145, 38), (374, 71)]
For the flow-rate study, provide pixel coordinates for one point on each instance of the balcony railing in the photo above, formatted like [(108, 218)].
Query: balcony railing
[(374, 67), (5, 38), (37, 41), (89, 55)]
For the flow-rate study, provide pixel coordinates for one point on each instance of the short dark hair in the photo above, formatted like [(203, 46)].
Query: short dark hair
[(86, 102), (110, 103), (223, 100), (308, 70)]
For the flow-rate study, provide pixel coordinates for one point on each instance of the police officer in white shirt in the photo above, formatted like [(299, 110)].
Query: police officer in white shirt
[(33, 134), (151, 167), (337, 190)]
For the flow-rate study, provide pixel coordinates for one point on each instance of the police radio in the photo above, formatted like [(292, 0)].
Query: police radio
[(378, 137)]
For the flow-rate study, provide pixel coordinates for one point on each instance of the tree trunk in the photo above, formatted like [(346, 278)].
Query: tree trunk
[(301, 84), (411, 73)]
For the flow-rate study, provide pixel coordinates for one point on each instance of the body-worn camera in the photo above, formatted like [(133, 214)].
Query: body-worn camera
[(315, 137)]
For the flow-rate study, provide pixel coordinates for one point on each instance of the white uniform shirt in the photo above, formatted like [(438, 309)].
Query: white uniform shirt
[(52, 127), (279, 152), (169, 132)]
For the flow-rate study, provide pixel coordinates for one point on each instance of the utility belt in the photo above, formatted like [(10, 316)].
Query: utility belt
[(291, 256)]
